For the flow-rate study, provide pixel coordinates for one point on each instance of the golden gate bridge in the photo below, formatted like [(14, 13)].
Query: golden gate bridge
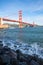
[(18, 21)]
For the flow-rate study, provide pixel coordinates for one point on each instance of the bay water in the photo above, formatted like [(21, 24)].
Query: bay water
[(29, 39)]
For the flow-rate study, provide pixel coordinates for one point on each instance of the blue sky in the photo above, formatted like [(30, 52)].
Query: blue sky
[(32, 10)]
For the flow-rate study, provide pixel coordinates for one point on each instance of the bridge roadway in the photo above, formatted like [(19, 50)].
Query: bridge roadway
[(9, 20)]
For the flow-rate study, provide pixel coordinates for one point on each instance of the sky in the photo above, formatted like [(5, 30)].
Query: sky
[(32, 10)]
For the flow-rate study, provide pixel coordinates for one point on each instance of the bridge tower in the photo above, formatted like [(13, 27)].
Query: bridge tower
[(1, 21), (20, 19)]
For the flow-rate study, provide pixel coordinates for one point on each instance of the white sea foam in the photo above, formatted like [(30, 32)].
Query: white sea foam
[(24, 47)]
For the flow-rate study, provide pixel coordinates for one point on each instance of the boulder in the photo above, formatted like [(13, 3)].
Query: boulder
[(13, 54), (14, 61), (1, 45), (6, 59), (1, 48), (1, 61), (20, 56), (0, 41), (40, 61), (34, 62)]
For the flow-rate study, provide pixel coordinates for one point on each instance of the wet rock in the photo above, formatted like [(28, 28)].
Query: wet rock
[(1, 45), (0, 41), (13, 54), (34, 63), (9, 52), (36, 58), (40, 61), (6, 50), (1, 61), (15, 46), (20, 56), (22, 63), (10, 57), (29, 58), (1, 48), (6, 59), (14, 61)]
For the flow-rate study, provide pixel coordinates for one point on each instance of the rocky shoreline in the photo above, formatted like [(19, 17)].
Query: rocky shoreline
[(10, 57)]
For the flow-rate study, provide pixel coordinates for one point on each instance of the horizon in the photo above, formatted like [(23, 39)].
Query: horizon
[(32, 10)]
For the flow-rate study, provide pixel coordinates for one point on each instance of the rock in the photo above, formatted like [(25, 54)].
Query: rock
[(33, 62), (1, 48), (22, 63), (1, 61), (36, 58), (14, 61), (29, 58), (6, 58), (15, 46), (13, 54), (40, 61), (10, 57), (6, 48), (20, 56), (0, 41), (18, 51), (1, 45)]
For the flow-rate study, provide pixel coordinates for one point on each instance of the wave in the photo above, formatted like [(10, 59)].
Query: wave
[(26, 48)]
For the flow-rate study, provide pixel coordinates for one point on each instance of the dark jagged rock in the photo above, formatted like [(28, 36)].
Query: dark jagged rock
[(22, 63), (6, 58), (1, 61), (14, 61), (34, 62), (40, 61), (1, 45), (1, 48), (6, 48), (0, 41), (20, 56), (35, 57), (10, 57)]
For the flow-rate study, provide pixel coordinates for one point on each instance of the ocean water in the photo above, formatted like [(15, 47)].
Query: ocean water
[(29, 39)]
